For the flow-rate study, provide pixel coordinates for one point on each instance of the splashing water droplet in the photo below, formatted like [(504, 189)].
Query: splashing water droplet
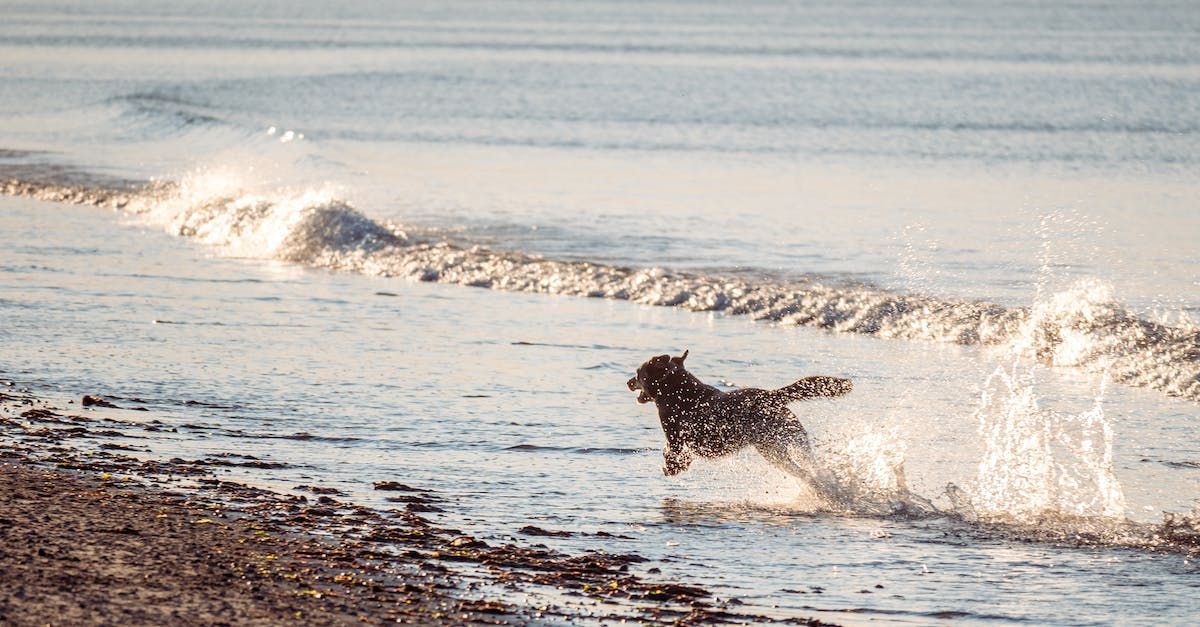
[(1040, 463)]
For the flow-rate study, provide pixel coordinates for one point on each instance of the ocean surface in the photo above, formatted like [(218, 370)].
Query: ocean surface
[(430, 242)]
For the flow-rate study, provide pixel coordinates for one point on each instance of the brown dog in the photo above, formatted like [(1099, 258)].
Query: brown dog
[(700, 419)]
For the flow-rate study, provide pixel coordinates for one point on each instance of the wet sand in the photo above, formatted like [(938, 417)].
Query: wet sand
[(89, 535), (78, 549)]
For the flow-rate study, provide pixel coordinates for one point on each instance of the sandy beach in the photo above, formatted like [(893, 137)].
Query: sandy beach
[(103, 538)]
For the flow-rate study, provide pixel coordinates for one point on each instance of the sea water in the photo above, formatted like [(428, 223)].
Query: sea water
[(984, 216)]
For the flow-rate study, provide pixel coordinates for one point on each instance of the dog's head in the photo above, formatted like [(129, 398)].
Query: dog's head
[(656, 376)]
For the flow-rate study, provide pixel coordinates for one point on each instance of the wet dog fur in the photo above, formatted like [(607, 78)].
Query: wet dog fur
[(698, 419)]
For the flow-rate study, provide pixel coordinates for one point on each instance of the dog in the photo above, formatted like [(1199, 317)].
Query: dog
[(698, 419)]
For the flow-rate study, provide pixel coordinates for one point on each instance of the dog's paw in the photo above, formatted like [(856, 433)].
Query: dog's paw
[(675, 462)]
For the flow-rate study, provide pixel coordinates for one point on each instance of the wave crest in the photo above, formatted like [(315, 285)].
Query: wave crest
[(309, 226)]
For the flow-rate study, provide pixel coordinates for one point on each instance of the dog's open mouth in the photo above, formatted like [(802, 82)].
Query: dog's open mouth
[(634, 384)]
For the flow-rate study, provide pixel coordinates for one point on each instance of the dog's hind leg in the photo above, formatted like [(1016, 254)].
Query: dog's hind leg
[(778, 455)]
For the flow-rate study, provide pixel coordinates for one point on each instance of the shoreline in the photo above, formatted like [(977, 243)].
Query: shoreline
[(99, 537)]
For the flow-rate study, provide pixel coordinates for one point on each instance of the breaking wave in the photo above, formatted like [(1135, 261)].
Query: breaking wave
[(1084, 327)]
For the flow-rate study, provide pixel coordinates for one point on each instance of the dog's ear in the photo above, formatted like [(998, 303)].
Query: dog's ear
[(679, 360)]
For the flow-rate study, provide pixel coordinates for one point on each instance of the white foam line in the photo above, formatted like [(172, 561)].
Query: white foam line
[(1084, 327)]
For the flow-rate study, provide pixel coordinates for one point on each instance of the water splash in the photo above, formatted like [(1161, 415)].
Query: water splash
[(1040, 463), (862, 475)]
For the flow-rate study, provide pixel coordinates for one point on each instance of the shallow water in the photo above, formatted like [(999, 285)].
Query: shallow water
[(517, 421), (846, 175)]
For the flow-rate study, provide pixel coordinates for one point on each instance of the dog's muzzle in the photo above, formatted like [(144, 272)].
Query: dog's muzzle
[(635, 385)]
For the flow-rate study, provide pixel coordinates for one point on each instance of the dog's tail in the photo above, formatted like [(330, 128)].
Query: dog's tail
[(813, 387)]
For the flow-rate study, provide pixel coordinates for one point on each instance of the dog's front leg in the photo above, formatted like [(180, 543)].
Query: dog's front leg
[(676, 457), (676, 460)]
